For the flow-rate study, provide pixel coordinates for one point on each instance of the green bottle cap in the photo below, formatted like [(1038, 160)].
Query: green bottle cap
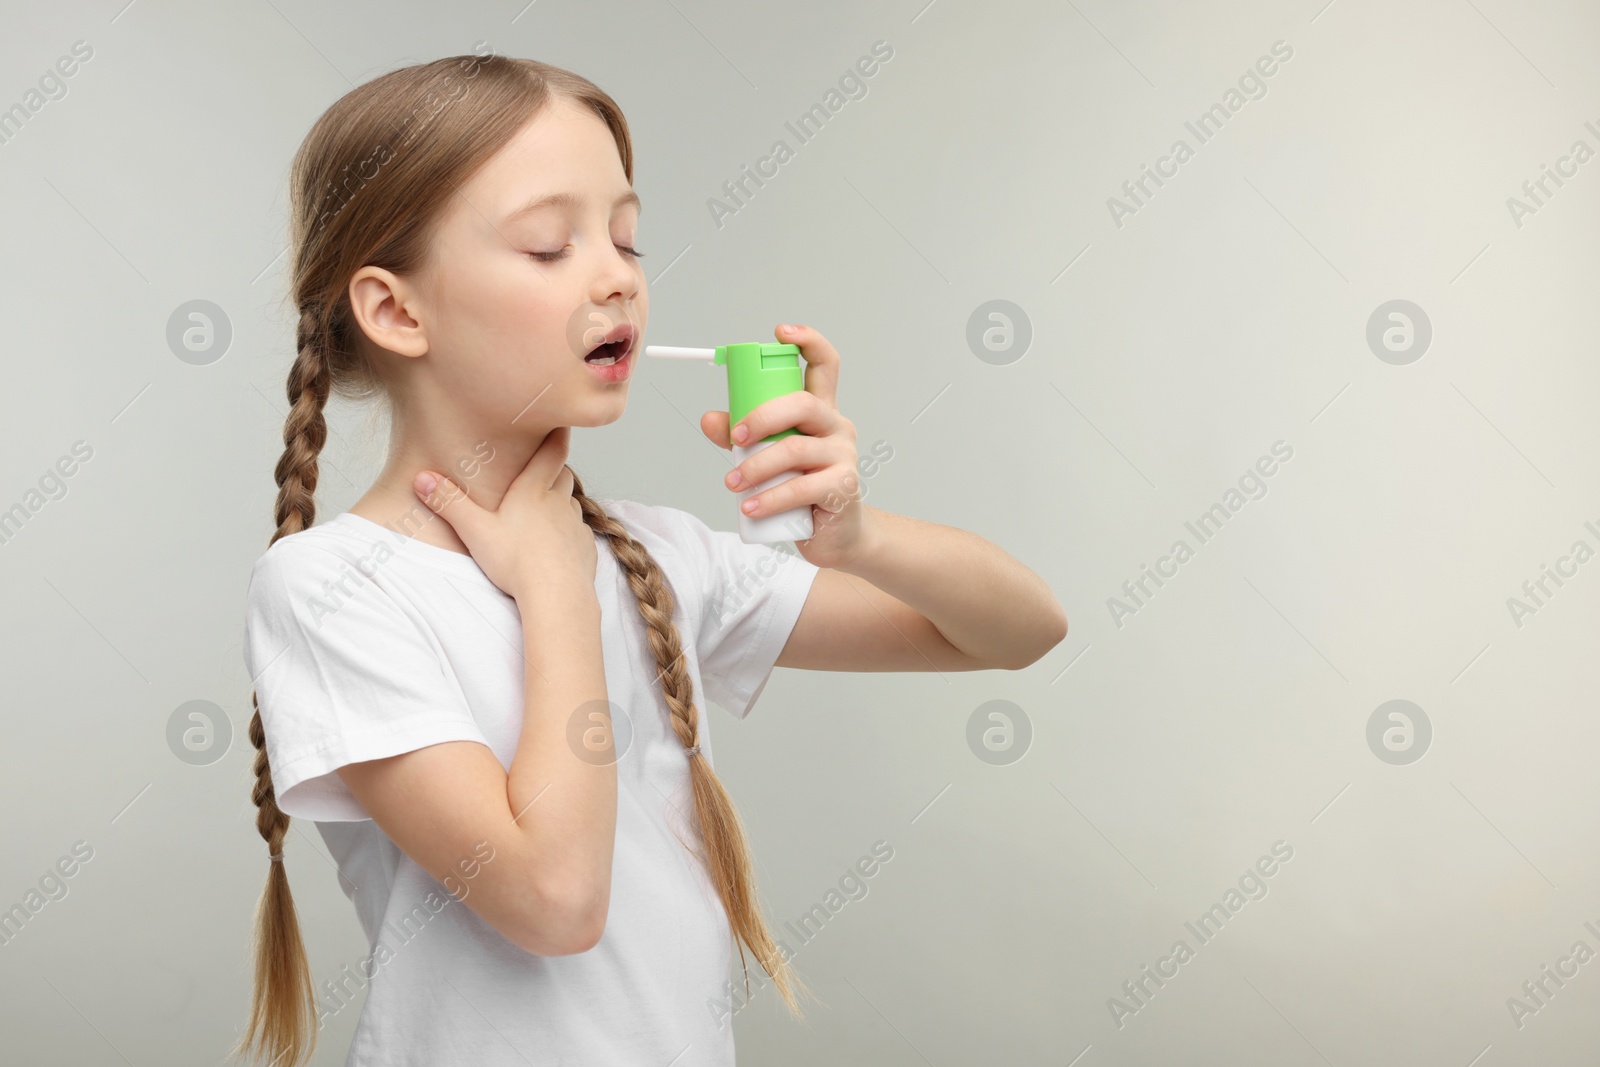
[(756, 374)]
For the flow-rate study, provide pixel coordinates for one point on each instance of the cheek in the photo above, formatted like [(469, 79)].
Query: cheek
[(509, 310), (504, 333)]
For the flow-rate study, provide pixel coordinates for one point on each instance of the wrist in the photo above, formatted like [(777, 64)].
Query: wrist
[(563, 604), (871, 544)]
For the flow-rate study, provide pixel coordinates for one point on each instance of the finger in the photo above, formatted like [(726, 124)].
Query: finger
[(555, 449), (802, 410), (822, 361), (714, 424), (546, 463), (827, 489), (444, 497), (795, 452)]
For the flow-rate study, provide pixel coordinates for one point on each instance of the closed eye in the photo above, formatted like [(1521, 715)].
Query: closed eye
[(551, 257)]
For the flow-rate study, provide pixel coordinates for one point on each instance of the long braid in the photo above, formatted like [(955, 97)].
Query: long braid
[(287, 1037), (305, 431), (727, 853)]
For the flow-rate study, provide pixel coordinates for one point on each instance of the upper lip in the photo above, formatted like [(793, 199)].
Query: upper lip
[(624, 332)]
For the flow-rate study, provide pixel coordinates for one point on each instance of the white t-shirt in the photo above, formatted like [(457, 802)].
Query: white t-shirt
[(364, 643)]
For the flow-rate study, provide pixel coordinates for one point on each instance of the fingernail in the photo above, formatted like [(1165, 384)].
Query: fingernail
[(751, 505), (740, 432), (427, 481), (735, 479), (785, 327)]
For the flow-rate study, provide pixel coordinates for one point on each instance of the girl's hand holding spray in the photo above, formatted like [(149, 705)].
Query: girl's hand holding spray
[(756, 374)]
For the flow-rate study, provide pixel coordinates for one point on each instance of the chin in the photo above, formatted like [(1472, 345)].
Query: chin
[(597, 414)]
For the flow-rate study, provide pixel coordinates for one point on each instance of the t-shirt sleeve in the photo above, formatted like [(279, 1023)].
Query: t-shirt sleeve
[(343, 672), (750, 599)]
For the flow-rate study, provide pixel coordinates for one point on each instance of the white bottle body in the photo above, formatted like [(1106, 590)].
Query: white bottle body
[(791, 525)]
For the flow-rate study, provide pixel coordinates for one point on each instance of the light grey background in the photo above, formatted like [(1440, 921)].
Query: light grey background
[(1168, 354)]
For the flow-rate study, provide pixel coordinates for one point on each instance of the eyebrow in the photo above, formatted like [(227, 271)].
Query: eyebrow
[(569, 200)]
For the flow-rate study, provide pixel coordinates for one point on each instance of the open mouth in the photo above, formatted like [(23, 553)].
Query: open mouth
[(616, 346)]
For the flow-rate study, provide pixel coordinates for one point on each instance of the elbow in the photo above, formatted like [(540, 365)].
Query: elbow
[(583, 934), (564, 923), (1051, 635), (587, 928)]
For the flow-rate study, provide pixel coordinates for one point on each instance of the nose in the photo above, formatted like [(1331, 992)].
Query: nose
[(618, 279)]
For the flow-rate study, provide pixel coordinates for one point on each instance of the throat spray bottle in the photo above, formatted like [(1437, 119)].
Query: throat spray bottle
[(756, 374)]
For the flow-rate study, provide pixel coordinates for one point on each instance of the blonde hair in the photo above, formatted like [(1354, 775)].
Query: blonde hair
[(366, 187)]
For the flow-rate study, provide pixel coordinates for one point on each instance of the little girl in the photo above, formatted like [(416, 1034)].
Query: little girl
[(495, 719)]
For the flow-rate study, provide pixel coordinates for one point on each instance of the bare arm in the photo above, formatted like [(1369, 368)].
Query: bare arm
[(562, 789), (551, 821), (924, 597)]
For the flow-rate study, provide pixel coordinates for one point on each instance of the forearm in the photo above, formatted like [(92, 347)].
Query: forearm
[(562, 784), (984, 601)]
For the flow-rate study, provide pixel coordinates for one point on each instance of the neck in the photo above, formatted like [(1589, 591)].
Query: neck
[(483, 464)]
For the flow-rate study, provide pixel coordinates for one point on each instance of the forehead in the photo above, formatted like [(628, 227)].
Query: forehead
[(565, 147)]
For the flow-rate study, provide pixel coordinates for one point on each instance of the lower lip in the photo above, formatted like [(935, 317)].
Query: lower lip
[(615, 372)]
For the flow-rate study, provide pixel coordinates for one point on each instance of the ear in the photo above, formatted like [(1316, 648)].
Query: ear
[(386, 307)]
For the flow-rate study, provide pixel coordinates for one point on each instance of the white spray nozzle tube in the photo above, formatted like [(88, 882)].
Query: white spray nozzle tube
[(669, 352)]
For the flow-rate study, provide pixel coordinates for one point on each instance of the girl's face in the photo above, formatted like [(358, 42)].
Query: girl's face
[(530, 267)]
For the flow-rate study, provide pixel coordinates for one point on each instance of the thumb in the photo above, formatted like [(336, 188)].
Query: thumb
[(446, 498), (714, 424)]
